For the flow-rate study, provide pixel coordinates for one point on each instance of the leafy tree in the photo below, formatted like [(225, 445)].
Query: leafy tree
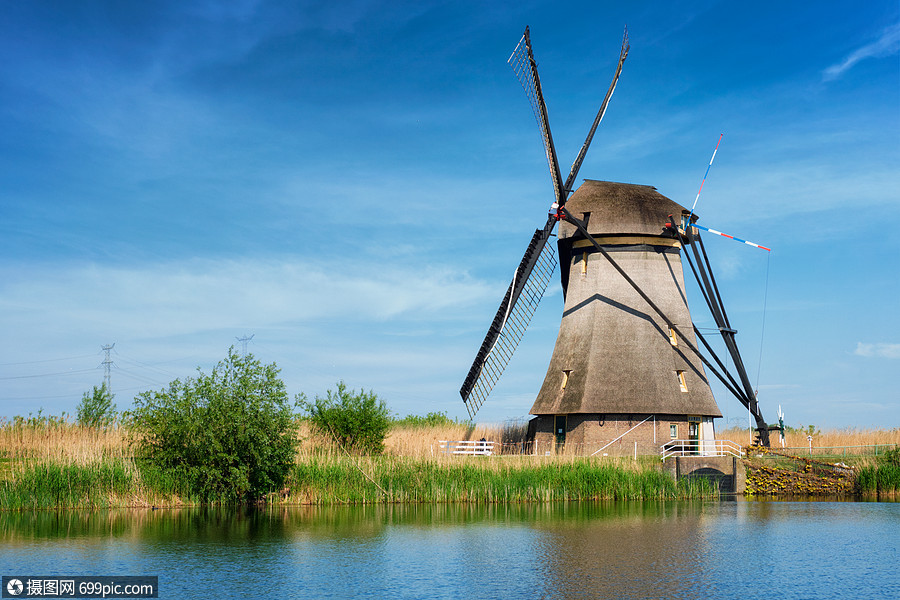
[(358, 421), (96, 408), (231, 434)]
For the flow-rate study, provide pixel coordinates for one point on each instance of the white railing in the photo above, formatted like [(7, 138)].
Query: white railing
[(700, 448), (470, 447)]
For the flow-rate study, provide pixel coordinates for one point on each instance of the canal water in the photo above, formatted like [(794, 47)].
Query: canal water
[(737, 549)]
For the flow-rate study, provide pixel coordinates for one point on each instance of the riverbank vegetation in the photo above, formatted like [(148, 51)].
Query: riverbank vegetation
[(232, 436), (835, 442), (66, 465), (883, 477), (331, 480), (229, 435), (50, 462)]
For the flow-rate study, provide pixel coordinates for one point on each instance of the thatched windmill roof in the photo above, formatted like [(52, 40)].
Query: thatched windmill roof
[(613, 353)]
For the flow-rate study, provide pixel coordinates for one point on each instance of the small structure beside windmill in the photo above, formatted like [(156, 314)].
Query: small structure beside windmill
[(616, 363), (626, 371)]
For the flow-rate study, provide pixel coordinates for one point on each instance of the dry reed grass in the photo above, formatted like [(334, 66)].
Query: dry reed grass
[(829, 438), (62, 441), (69, 443)]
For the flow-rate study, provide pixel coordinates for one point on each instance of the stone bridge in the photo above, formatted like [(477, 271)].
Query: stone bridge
[(726, 472)]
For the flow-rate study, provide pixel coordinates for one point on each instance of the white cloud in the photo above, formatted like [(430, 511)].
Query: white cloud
[(401, 329), (182, 298), (877, 350), (888, 43)]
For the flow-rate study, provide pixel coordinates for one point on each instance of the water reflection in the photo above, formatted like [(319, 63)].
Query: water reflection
[(563, 550)]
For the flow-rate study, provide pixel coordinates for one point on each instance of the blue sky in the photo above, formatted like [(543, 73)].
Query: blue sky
[(354, 182)]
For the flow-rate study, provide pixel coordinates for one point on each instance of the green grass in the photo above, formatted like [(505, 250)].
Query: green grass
[(52, 485), (883, 479), (432, 419), (105, 484), (338, 481)]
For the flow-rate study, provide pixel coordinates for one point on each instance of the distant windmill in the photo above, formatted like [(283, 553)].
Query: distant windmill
[(627, 347)]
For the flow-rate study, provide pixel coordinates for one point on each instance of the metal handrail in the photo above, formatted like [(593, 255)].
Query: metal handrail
[(700, 448)]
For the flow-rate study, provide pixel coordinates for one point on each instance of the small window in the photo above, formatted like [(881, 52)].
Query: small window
[(673, 431), (673, 339), (681, 382), (565, 379)]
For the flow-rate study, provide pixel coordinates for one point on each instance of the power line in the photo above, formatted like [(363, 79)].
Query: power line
[(49, 374), (34, 362), (148, 366)]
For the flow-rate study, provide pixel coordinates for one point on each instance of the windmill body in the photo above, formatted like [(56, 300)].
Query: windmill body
[(626, 360), (616, 362)]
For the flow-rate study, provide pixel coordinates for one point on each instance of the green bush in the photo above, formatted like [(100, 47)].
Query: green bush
[(358, 421), (432, 419), (96, 408), (230, 434)]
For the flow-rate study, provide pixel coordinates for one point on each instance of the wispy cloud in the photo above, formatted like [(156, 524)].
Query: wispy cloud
[(188, 297), (888, 43), (877, 350)]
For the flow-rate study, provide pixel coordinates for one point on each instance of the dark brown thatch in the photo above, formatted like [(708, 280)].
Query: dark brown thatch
[(614, 353)]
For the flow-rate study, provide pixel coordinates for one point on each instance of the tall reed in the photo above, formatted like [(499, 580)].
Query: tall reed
[(53, 485), (829, 438), (882, 478), (335, 479), (61, 440)]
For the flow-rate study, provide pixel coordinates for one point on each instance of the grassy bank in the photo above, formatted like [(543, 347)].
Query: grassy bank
[(330, 480), (111, 482), (882, 478), (53, 463)]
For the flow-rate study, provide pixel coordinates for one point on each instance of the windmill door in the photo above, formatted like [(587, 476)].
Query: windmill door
[(559, 429), (694, 436)]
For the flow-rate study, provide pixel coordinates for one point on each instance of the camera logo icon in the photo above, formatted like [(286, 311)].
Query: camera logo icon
[(14, 587)]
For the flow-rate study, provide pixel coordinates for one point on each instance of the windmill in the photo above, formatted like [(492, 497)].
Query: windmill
[(627, 348)]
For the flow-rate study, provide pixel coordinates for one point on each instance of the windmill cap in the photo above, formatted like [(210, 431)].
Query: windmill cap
[(619, 209)]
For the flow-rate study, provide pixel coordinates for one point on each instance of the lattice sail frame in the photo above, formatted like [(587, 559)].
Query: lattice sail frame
[(521, 300), (523, 64)]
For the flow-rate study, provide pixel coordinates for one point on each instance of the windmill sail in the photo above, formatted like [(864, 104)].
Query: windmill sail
[(513, 316), (533, 274), (523, 63)]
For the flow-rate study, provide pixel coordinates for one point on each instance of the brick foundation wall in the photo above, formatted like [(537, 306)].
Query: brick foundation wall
[(586, 433)]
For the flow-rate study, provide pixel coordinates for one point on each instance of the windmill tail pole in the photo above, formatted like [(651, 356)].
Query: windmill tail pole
[(731, 237), (708, 167)]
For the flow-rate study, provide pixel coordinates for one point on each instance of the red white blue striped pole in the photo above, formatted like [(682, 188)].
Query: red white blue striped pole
[(705, 174), (737, 239)]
